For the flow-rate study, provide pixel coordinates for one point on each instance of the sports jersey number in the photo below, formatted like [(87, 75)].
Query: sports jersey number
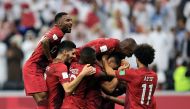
[(144, 91)]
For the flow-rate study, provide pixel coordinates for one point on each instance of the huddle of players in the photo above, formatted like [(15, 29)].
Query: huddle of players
[(76, 76)]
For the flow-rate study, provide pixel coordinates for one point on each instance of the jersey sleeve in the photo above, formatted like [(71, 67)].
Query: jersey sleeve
[(62, 74), (102, 45), (55, 34), (99, 71), (126, 75)]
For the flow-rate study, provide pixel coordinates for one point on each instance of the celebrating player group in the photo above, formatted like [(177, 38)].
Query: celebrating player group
[(90, 76)]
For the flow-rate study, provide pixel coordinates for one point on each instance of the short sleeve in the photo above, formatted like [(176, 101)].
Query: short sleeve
[(99, 71), (126, 75), (62, 74), (55, 34), (102, 45)]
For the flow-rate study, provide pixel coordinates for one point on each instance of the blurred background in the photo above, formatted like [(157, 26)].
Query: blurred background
[(165, 24)]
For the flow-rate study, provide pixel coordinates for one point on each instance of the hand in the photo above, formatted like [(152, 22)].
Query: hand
[(88, 70), (104, 57), (124, 65)]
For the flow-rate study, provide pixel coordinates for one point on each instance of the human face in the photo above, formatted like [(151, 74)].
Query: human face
[(70, 55), (66, 24)]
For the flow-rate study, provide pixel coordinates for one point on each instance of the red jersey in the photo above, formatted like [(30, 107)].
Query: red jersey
[(141, 84), (102, 45), (78, 98), (93, 91), (57, 74), (38, 57)]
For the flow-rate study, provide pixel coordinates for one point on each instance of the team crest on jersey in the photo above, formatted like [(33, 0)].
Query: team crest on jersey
[(74, 71), (55, 37)]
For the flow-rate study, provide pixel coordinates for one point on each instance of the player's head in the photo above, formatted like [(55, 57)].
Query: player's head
[(67, 51), (127, 47), (114, 60), (144, 54), (64, 21), (88, 56)]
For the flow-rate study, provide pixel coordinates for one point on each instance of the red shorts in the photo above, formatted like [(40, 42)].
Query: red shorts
[(34, 79), (70, 102)]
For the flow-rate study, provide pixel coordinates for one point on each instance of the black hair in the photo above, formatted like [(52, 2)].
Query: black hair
[(88, 55), (118, 57), (144, 53), (127, 46), (59, 15), (66, 45)]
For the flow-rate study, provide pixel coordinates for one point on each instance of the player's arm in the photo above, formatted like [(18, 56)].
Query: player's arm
[(70, 86), (46, 48), (109, 86), (114, 99), (109, 70)]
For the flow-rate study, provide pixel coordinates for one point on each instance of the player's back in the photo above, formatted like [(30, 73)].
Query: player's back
[(141, 89), (103, 44), (76, 99)]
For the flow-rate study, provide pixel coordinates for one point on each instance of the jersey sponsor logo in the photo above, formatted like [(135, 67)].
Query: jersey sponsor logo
[(55, 37), (121, 72), (103, 48), (65, 75)]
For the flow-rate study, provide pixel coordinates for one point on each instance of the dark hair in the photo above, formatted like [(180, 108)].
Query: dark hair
[(144, 53), (66, 45), (59, 15), (118, 57), (127, 46), (88, 55)]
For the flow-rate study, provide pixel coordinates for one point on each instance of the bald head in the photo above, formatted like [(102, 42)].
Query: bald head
[(127, 47)]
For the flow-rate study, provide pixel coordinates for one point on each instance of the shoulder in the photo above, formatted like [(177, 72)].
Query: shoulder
[(55, 32), (60, 67)]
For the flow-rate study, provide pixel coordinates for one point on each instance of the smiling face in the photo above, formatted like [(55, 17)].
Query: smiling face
[(65, 23), (70, 55)]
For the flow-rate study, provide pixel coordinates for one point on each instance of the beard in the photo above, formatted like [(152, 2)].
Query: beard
[(66, 30)]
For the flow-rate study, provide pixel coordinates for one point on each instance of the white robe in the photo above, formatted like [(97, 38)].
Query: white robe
[(3, 63)]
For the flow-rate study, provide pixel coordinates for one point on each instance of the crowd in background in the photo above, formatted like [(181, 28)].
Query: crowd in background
[(165, 24)]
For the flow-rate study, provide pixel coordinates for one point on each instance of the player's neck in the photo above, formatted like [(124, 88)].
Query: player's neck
[(59, 58), (141, 65)]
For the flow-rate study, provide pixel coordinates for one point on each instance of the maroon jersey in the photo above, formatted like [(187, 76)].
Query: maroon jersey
[(57, 74), (141, 84), (78, 98), (102, 45), (93, 91), (54, 35)]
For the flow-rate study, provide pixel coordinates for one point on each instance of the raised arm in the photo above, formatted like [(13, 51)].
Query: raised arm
[(46, 48), (114, 99), (107, 68), (109, 86), (70, 86)]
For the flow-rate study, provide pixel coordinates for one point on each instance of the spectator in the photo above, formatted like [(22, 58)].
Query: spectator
[(3, 63), (181, 81), (14, 59)]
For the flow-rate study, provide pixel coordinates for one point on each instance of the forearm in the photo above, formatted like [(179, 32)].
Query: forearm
[(46, 48), (70, 86), (108, 69), (116, 100), (110, 86)]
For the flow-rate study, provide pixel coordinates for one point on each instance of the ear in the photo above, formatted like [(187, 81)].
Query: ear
[(64, 52)]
